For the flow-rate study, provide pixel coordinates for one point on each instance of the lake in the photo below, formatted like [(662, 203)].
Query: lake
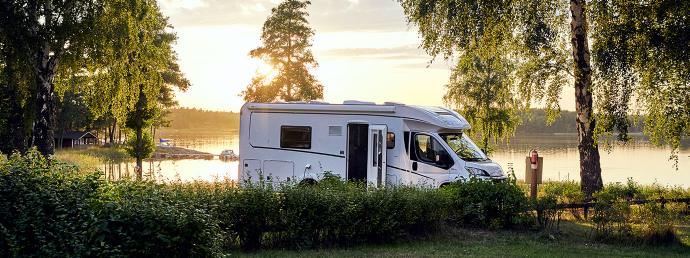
[(638, 160)]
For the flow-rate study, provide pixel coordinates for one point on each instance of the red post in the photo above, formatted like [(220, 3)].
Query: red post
[(534, 160)]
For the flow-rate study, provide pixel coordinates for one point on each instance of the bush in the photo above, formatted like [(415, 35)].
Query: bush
[(649, 223), (48, 209), (486, 203), (137, 219), (44, 207), (51, 209), (338, 213), (250, 213), (550, 195)]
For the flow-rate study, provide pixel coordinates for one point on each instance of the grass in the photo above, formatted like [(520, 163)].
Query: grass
[(572, 241), (92, 158)]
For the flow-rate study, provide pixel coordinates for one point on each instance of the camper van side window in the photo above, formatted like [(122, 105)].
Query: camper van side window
[(430, 151), (390, 140), (406, 136), (295, 137)]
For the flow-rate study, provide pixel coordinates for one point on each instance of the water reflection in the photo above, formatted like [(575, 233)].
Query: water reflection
[(175, 170), (186, 169)]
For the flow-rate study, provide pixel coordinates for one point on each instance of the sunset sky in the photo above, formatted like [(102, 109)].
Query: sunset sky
[(365, 49)]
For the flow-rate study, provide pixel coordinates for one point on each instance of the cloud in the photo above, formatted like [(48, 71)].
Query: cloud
[(402, 52), (171, 7), (324, 15)]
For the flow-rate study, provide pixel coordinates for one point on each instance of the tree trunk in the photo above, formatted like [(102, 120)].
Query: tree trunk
[(590, 168), (140, 159), (111, 132), (43, 134)]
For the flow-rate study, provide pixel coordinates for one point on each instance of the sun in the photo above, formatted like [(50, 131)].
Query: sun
[(265, 69)]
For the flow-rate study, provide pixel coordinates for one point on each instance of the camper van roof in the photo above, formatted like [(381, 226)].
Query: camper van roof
[(438, 116)]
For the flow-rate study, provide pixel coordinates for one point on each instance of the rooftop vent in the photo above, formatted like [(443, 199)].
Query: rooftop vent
[(357, 102)]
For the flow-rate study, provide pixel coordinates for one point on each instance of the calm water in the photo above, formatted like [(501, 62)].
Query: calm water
[(189, 169), (639, 160)]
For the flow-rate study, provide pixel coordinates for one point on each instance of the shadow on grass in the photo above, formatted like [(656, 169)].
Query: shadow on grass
[(573, 240)]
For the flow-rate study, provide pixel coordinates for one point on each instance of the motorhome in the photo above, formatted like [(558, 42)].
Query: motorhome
[(388, 144)]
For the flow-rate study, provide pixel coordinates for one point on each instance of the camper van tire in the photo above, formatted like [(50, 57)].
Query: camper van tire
[(382, 145), (308, 182)]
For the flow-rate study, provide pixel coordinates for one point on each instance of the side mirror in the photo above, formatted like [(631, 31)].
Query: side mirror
[(414, 166)]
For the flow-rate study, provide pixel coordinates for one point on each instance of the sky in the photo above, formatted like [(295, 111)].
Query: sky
[(365, 49)]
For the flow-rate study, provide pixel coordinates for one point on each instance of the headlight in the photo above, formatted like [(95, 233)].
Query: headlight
[(477, 172)]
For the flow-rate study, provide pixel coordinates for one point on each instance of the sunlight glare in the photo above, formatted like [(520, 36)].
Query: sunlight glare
[(265, 69)]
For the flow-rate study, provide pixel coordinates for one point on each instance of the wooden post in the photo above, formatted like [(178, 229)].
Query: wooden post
[(533, 185)]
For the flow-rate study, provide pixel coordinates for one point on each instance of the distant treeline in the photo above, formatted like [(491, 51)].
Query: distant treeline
[(533, 122), (198, 119)]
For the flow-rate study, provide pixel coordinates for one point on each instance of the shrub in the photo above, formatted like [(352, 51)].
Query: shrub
[(335, 212), (44, 207), (251, 212), (486, 203), (147, 219), (550, 195), (657, 223)]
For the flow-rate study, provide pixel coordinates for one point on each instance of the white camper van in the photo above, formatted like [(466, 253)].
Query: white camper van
[(389, 144)]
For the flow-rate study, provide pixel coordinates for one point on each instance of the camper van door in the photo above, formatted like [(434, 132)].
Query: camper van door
[(376, 168)]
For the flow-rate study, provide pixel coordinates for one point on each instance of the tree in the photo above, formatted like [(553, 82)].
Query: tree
[(133, 73), (47, 35), (481, 88), (15, 78), (643, 54), (73, 114), (286, 46), (172, 78), (549, 41)]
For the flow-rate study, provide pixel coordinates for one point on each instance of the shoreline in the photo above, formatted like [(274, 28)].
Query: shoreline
[(173, 153)]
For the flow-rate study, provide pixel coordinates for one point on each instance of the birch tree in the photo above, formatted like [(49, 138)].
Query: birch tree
[(640, 55), (47, 34)]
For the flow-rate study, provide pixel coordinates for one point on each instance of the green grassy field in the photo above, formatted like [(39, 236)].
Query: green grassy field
[(572, 241)]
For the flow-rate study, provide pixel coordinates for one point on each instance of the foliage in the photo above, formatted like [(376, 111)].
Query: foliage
[(137, 219), (486, 203), (650, 223), (101, 51), (140, 149), (49, 38), (73, 113), (640, 57), (45, 207), (641, 48), (15, 112), (481, 88), (286, 41), (52, 209)]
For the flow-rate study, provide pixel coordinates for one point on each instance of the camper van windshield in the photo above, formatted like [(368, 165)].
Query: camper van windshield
[(463, 146)]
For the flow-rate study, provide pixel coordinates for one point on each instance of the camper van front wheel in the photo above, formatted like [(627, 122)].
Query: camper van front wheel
[(307, 182)]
